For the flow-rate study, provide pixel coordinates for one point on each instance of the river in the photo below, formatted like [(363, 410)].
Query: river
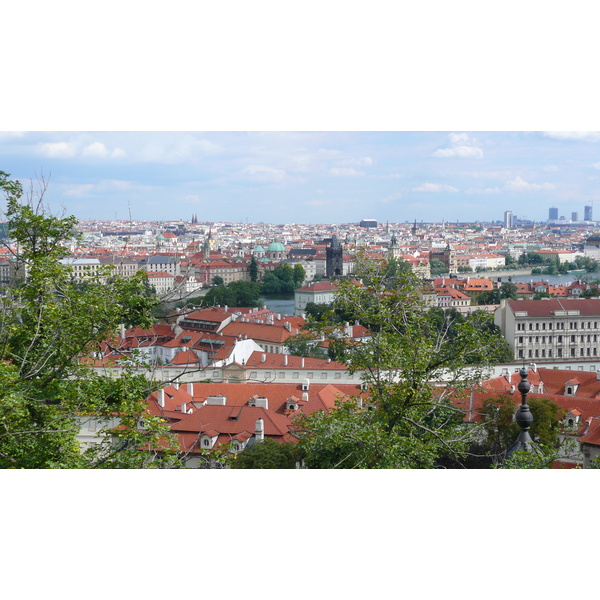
[(282, 304), (552, 279)]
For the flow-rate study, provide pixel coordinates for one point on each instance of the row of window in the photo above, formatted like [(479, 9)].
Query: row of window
[(542, 326), (559, 339), (296, 375), (547, 353)]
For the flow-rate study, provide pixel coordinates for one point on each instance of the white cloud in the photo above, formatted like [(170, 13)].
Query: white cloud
[(345, 172), (77, 190), (518, 184), (365, 161), (459, 152), (328, 152), (461, 146), (457, 138), (596, 165), (96, 150), (434, 187), (57, 149), (6, 135), (484, 191), (579, 136), (392, 197), (261, 173), (118, 153)]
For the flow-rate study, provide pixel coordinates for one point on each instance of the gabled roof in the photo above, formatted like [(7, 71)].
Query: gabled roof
[(274, 333)]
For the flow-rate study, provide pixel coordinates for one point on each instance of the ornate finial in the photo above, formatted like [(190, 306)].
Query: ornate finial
[(524, 419)]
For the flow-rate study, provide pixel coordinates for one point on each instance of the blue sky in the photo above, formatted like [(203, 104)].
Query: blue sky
[(309, 177)]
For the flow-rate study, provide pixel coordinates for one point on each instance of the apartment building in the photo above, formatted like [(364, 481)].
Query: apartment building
[(552, 328)]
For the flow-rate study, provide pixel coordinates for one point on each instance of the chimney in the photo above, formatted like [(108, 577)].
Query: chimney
[(259, 432), (263, 358), (302, 363), (161, 398), (216, 401), (285, 360), (184, 407), (190, 389), (122, 331), (176, 385), (261, 402), (288, 326)]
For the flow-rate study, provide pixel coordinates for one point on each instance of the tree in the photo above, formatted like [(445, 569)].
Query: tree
[(299, 275), (499, 421), (48, 326), (509, 290), (305, 344), (253, 270), (268, 454), (236, 293), (488, 297), (218, 280), (396, 267), (405, 422), (437, 267)]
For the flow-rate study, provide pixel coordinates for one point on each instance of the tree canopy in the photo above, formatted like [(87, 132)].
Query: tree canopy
[(407, 422), (49, 325)]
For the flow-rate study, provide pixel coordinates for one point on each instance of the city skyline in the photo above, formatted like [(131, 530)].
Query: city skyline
[(309, 177)]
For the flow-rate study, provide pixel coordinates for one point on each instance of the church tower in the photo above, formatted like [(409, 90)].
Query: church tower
[(334, 264)]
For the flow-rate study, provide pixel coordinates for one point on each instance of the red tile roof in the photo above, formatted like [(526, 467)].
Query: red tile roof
[(546, 308)]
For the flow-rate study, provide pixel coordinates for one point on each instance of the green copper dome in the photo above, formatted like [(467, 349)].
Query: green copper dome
[(276, 247)]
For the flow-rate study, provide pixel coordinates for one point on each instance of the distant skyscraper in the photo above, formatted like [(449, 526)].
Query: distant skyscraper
[(508, 219), (574, 217), (553, 214), (587, 213)]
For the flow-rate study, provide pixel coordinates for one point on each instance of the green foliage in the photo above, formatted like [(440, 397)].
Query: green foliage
[(437, 267), (253, 270), (283, 280), (502, 430), (488, 297), (410, 424), (591, 292), (305, 344), (48, 324), (543, 459), (299, 275), (396, 267), (268, 454), (218, 280), (324, 314), (508, 290), (236, 293)]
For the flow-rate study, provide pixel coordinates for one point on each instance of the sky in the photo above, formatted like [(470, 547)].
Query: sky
[(309, 177)]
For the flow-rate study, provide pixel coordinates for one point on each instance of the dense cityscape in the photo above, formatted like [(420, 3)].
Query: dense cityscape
[(247, 322)]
